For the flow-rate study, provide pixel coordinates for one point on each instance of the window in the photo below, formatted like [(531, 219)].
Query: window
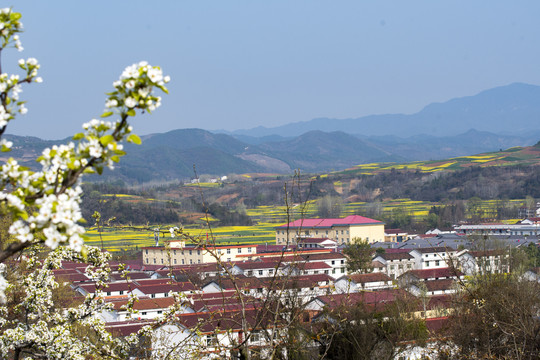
[(182, 261), (219, 251), (427, 263), (121, 292), (228, 259), (160, 311), (260, 272), (250, 273), (153, 296), (437, 263), (249, 250), (146, 251), (154, 260), (162, 261), (190, 252), (174, 252), (174, 261), (342, 262), (108, 293), (164, 295), (342, 270), (271, 272), (190, 261), (239, 250), (256, 336), (211, 340), (143, 313), (199, 261), (228, 251), (198, 252)]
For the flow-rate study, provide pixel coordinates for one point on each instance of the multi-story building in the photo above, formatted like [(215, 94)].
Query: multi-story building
[(180, 253), (340, 230)]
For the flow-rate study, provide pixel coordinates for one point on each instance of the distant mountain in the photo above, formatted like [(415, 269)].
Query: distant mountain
[(179, 154), (511, 109), (317, 150), (423, 147)]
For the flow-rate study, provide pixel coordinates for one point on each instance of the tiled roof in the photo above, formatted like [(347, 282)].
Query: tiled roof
[(436, 249), (397, 256), (434, 273), (437, 285), (146, 304), (328, 223), (368, 278), (365, 297)]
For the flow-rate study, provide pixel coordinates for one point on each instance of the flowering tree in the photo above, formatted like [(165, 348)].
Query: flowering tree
[(44, 207)]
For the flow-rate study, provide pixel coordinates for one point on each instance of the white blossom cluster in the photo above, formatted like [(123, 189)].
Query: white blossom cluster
[(10, 27), (10, 85), (47, 333), (135, 87), (174, 230), (58, 209), (45, 206)]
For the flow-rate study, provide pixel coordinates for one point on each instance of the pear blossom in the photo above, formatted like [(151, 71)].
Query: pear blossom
[(47, 212), (130, 102)]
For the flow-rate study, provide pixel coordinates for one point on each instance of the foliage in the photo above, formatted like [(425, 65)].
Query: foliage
[(496, 316), (359, 254), (364, 332)]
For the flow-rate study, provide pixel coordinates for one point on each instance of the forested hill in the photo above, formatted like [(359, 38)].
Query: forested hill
[(183, 154)]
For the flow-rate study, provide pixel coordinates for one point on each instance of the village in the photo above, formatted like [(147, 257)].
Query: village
[(227, 297)]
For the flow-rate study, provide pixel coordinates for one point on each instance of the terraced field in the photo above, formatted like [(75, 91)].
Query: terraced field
[(514, 156)]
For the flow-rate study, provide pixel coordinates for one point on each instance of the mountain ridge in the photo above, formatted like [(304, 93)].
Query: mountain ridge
[(496, 110)]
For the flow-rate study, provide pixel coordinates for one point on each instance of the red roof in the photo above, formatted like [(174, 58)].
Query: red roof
[(328, 223), (366, 297), (368, 278), (434, 273)]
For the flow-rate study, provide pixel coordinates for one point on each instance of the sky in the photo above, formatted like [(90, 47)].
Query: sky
[(242, 64)]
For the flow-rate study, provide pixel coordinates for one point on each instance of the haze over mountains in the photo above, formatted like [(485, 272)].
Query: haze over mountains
[(494, 119), (511, 109)]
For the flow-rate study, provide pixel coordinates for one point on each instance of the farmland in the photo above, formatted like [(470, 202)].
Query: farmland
[(266, 219)]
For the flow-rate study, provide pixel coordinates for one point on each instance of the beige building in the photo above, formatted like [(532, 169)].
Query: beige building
[(340, 230), (180, 253)]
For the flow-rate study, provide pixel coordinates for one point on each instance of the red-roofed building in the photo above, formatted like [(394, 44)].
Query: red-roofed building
[(340, 230)]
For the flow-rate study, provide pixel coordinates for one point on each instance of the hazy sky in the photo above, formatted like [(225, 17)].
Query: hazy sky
[(241, 64)]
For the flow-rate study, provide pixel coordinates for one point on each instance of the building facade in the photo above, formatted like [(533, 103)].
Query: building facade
[(340, 230)]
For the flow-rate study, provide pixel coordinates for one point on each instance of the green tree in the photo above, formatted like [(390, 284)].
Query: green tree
[(359, 255)]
